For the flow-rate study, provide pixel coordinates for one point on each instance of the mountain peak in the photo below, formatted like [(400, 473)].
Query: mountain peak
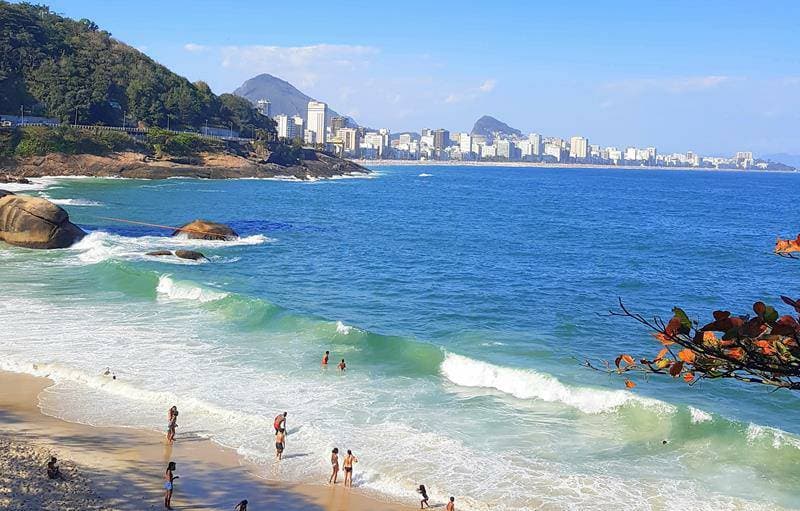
[(488, 126)]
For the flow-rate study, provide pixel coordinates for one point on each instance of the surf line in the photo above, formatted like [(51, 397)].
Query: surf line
[(176, 229)]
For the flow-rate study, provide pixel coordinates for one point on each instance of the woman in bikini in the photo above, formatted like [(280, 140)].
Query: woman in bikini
[(169, 478), (172, 418), (423, 494), (334, 465), (348, 468), (342, 366)]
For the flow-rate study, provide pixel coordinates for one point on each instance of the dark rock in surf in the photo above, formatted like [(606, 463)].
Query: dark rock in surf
[(158, 253), (190, 254), (33, 222), (205, 230)]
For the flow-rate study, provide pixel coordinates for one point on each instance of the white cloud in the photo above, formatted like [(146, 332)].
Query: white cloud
[(194, 48), (303, 66), (673, 85), (472, 93)]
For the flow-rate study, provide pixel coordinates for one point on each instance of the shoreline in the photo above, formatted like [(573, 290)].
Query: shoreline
[(525, 164), (125, 466)]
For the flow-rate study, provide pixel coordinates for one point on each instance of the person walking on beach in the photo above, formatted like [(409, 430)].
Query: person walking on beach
[(348, 468), (423, 493), (334, 465), (241, 506), (280, 422), (325, 358), (280, 443), (172, 418), (451, 506), (169, 479), (342, 366)]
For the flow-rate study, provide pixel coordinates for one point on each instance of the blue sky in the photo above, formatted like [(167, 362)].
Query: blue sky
[(710, 76)]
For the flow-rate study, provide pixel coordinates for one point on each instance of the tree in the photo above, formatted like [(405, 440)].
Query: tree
[(762, 348)]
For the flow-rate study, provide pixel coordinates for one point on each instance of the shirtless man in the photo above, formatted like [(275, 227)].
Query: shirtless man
[(280, 443), (451, 506), (325, 359), (280, 422), (348, 468)]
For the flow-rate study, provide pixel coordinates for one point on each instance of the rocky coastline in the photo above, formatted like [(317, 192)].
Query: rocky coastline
[(135, 165)]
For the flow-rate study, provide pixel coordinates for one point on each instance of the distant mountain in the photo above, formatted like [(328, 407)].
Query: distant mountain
[(793, 160), (488, 125), (284, 97)]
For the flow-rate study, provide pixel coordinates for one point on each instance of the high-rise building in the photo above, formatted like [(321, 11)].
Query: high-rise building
[(263, 106), (338, 122), (426, 132), (350, 140), (441, 139), (377, 141), (465, 144), (631, 154), (553, 149), (299, 126), (285, 126), (317, 120), (578, 148), (536, 144), (505, 149)]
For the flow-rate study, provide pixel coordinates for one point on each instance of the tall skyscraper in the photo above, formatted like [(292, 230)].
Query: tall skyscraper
[(536, 144), (350, 140), (263, 106), (465, 144), (337, 123), (317, 120), (578, 148), (285, 126), (299, 126)]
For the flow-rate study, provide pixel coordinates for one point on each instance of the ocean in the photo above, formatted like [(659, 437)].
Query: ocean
[(463, 299)]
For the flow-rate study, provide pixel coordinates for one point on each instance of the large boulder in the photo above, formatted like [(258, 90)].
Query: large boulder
[(205, 230), (34, 222), (190, 254)]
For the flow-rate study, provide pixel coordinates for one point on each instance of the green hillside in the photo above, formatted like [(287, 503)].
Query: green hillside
[(54, 66)]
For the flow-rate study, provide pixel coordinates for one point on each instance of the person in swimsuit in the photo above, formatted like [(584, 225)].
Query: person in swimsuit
[(451, 506), (280, 443), (325, 359), (241, 506), (280, 422), (348, 468), (172, 418), (334, 465), (53, 472), (169, 479), (423, 493), (342, 366)]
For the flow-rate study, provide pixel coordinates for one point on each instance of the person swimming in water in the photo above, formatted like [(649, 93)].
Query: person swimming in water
[(334, 465), (280, 443), (325, 358), (451, 506), (241, 506), (342, 366), (348, 468), (280, 422), (169, 479), (423, 493)]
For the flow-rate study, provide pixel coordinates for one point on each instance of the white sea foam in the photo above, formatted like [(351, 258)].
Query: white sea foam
[(70, 202), (425, 175), (529, 384), (699, 416), (343, 329), (36, 183), (177, 290)]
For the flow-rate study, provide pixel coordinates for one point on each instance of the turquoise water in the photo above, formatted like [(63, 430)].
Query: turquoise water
[(463, 302)]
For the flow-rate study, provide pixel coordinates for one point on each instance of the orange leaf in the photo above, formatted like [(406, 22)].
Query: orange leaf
[(737, 353), (663, 339), (662, 354), (629, 384), (686, 355), (676, 369), (688, 377), (627, 359), (709, 336)]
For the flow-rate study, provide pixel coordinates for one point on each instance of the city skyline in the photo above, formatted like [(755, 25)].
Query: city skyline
[(713, 78)]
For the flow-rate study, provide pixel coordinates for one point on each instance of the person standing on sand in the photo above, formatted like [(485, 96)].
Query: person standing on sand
[(280, 443), (342, 366), (280, 422), (334, 465), (348, 468), (451, 506), (423, 493), (172, 418), (241, 506), (325, 359), (169, 479)]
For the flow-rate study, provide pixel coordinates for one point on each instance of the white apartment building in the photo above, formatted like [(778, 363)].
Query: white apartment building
[(613, 154), (317, 120), (263, 106), (375, 140), (536, 144), (465, 144), (488, 151), (350, 142), (554, 150), (287, 127), (631, 154), (505, 149), (579, 148)]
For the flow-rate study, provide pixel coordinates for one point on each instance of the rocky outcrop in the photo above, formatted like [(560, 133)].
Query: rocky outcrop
[(33, 222), (183, 254), (8, 178), (205, 230)]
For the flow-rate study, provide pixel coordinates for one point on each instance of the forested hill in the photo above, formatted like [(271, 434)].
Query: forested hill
[(53, 66)]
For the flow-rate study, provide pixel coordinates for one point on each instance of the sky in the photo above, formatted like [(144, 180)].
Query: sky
[(708, 76)]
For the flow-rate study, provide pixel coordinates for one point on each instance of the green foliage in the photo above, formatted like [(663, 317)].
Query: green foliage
[(164, 142), (283, 154), (64, 68), (42, 140), (9, 138)]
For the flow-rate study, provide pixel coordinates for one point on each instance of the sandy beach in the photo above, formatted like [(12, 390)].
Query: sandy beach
[(122, 468)]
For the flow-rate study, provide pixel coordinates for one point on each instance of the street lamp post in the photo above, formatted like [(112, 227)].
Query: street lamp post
[(22, 115)]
